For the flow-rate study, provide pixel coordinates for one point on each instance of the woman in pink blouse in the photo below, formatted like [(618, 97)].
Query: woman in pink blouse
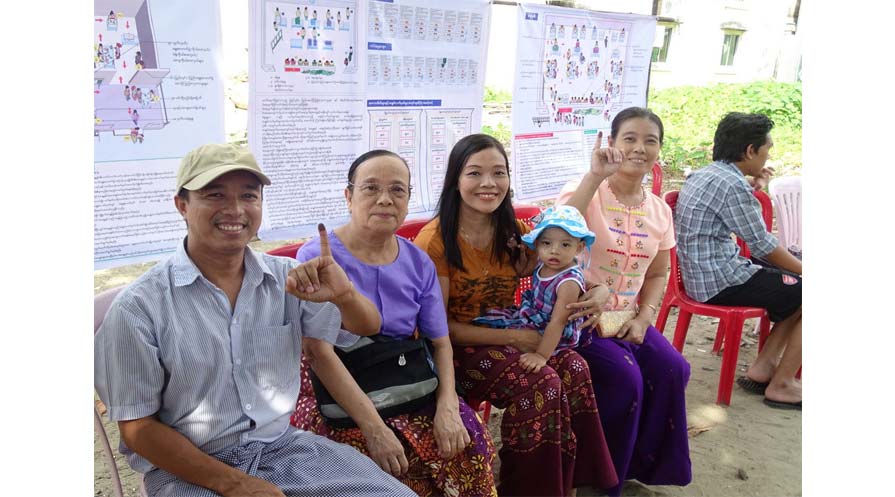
[(638, 377)]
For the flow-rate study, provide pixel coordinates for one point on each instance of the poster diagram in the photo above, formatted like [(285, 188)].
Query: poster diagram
[(157, 95), (128, 92), (577, 70), (583, 69), (424, 63), (401, 75), (311, 39)]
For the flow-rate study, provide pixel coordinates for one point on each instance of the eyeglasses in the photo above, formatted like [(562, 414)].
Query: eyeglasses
[(374, 190)]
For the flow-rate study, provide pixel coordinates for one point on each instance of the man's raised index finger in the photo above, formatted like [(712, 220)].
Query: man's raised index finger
[(324, 241)]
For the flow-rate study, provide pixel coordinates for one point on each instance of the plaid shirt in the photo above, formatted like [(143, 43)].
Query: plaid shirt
[(714, 202)]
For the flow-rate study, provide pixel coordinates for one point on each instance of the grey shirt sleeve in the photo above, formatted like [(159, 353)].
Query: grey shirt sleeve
[(128, 375)]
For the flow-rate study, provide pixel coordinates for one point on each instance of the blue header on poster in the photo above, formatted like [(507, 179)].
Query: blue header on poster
[(403, 103)]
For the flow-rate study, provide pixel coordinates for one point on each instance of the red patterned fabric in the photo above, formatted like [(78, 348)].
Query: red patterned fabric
[(466, 475)]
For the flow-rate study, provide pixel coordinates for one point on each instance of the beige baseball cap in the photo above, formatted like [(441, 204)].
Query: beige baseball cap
[(202, 165)]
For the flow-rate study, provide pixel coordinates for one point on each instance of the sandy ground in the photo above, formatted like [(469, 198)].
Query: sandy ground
[(746, 449)]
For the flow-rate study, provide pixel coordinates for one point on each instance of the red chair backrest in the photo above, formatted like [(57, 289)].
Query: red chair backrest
[(290, 250), (671, 200), (767, 208), (411, 228), (767, 214), (526, 213), (657, 179)]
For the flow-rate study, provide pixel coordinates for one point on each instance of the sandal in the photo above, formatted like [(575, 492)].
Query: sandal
[(751, 385)]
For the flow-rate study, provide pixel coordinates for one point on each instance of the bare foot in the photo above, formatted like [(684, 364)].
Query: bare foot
[(761, 372), (784, 391)]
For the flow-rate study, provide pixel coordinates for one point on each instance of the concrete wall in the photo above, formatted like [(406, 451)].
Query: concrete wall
[(694, 54)]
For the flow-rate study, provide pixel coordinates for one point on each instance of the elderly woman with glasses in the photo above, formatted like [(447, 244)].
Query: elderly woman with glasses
[(442, 448)]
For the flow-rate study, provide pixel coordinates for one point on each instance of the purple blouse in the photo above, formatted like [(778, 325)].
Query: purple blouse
[(406, 291)]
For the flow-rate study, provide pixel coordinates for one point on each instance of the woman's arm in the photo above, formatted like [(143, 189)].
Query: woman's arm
[(469, 334), (383, 445), (604, 162), (590, 305), (650, 294), (450, 434)]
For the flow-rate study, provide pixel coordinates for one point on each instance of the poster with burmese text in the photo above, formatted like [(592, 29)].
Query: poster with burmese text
[(157, 94), (576, 70), (332, 79)]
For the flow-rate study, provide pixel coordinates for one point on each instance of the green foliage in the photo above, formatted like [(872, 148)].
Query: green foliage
[(691, 113), (494, 95), (502, 132)]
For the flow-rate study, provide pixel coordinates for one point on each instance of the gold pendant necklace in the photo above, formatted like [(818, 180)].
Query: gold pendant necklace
[(466, 236)]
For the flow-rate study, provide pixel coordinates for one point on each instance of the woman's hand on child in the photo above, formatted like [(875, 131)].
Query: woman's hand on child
[(525, 340), (590, 305), (532, 362), (633, 331)]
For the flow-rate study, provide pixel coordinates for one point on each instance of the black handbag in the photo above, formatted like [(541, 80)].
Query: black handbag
[(398, 375)]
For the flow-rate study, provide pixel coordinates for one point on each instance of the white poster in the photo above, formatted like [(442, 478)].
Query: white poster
[(157, 94), (577, 69), (332, 79)]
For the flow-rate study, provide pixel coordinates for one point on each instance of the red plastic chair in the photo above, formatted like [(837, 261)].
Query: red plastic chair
[(526, 213), (657, 179), (730, 326), (411, 228), (290, 250), (767, 214)]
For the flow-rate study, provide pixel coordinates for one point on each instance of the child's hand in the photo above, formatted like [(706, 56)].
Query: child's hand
[(532, 362)]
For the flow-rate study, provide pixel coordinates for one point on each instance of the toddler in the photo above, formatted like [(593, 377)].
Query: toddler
[(557, 280)]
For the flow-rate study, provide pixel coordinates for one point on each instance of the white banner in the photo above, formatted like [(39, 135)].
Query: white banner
[(332, 79), (157, 95), (576, 70)]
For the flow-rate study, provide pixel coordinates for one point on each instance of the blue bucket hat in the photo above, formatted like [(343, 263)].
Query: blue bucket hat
[(563, 216)]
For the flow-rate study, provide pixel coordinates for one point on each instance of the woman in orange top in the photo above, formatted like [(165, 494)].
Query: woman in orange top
[(551, 432)]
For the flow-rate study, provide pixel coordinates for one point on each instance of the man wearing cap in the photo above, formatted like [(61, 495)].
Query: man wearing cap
[(198, 359)]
